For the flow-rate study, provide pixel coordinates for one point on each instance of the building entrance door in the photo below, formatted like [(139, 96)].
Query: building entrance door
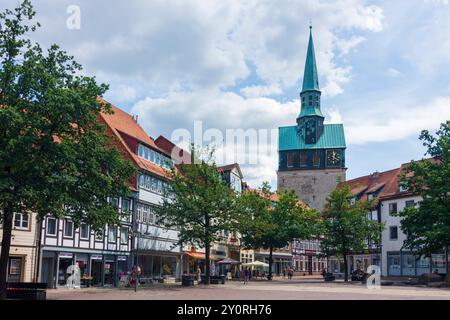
[(97, 272), (47, 272)]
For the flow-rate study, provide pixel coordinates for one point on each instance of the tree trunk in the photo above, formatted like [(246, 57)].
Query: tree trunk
[(447, 276), (6, 244), (270, 262), (207, 264), (346, 268)]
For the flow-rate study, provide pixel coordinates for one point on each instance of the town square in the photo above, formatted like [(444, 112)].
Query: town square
[(223, 150)]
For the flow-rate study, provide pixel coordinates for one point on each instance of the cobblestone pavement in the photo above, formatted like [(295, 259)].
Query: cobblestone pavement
[(309, 289)]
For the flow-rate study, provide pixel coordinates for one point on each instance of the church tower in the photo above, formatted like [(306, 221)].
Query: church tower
[(311, 154)]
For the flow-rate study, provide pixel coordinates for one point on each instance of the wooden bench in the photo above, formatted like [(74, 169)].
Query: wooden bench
[(26, 291)]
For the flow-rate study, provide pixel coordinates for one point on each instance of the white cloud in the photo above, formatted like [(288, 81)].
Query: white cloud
[(385, 123), (394, 73), (222, 111), (122, 93), (261, 91), (167, 45)]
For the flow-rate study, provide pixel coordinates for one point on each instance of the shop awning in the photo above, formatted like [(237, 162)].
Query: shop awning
[(200, 255)]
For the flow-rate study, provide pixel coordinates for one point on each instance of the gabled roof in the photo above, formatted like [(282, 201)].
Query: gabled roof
[(129, 134), (230, 167), (178, 154), (383, 184), (332, 137)]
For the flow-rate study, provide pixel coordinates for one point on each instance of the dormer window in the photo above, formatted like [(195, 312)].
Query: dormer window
[(155, 157), (403, 188)]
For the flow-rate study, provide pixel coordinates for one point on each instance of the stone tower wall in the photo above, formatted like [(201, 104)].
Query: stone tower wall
[(311, 186)]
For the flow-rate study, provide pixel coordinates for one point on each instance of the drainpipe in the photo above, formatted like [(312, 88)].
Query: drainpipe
[(37, 276)]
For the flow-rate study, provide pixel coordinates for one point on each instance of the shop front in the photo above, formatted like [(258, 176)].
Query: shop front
[(157, 266), (95, 269), (406, 263), (195, 260), (281, 261)]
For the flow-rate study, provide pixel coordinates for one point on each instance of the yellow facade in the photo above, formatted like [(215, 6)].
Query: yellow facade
[(23, 255)]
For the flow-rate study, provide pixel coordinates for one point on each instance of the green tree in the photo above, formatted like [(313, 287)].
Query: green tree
[(427, 226), (55, 157), (346, 226), (272, 221), (199, 204)]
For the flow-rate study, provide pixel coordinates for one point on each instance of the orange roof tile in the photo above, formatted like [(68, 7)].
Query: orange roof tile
[(123, 127)]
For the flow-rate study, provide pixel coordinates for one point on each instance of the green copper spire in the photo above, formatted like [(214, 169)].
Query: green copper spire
[(310, 95), (310, 77)]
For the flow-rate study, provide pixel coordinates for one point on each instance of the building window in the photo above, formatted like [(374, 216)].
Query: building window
[(410, 203), (84, 231), (99, 235), (303, 159), (15, 269), (392, 208), (155, 157), (112, 234), (123, 236), (152, 156), (126, 205), (370, 196), (51, 227), (21, 221), (68, 229), (316, 160), (290, 160), (393, 233)]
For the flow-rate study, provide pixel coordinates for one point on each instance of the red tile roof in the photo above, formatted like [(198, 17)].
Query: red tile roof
[(178, 154), (387, 183), (129, 134)]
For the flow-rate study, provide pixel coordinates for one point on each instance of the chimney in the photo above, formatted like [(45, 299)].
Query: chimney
[(376, 175), (135, 117)]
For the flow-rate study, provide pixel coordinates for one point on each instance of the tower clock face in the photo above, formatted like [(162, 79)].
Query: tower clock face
[(333, 158)]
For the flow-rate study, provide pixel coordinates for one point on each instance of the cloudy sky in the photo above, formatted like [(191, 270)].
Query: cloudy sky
[(383, 67)]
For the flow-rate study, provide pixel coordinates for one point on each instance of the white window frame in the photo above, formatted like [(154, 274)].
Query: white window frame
[(56, 226), (123, 231), (81, 232), (64, 229), (110, 229), (21, 219)]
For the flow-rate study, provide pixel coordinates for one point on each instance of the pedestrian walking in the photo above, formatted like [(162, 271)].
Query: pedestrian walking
[(199, 275), (246, 275), (284, 273)]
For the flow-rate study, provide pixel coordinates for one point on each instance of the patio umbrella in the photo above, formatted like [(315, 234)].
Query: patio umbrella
[(255, 264), (228, 261)]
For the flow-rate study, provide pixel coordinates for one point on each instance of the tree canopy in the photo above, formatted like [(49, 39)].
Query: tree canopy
[(347, 227), (427, 226), (55, 156), (272, 221), (199, 204)]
